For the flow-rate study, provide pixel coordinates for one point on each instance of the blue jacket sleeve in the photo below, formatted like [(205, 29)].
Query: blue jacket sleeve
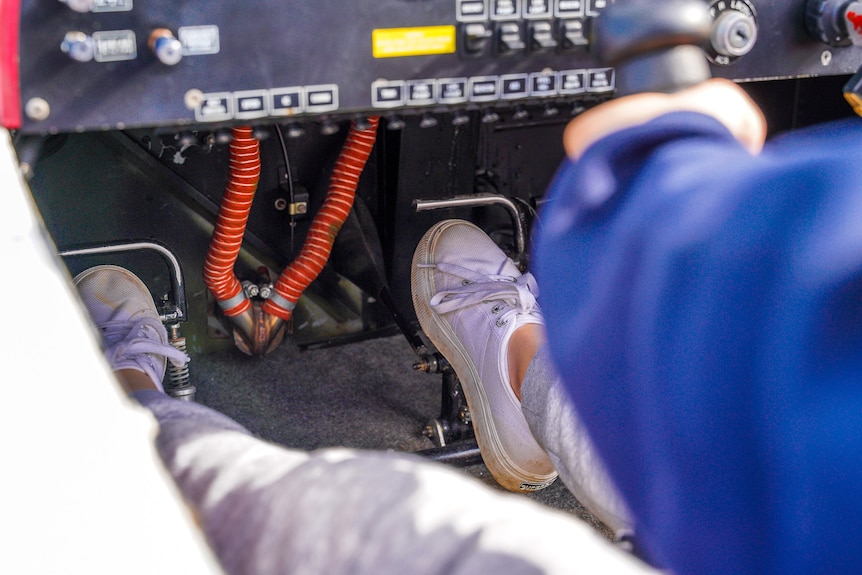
[(704, 309)]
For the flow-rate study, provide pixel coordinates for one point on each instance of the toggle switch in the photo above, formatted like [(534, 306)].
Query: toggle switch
[(295, 130), (490, 116), (572, 35), (510, 39), (460, 118), (521, 113), (395, 123), (542, 37), (362, 123), (329, 127), (475, 39), (428, 121), (165, 46)]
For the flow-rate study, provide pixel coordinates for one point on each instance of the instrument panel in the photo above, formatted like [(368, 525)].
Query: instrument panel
[(90, 65)]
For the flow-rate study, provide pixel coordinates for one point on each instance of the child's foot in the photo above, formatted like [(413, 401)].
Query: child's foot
[(134, 339), (470, 299)]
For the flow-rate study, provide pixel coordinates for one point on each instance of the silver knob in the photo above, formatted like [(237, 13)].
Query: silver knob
[(80, 5), (166, 47), (78, 46)]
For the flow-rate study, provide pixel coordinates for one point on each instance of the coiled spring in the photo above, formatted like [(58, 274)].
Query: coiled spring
[(179, 381)]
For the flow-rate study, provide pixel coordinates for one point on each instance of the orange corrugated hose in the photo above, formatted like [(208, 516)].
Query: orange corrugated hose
[(328, 221), (233, 217), (231, 223)]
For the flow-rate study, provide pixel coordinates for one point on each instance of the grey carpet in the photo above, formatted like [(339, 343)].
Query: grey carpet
[(363, 395)]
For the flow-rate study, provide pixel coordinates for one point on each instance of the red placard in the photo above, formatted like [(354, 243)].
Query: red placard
[(10, 89)]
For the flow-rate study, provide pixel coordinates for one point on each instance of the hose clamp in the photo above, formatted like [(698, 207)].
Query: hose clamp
[(230, 303), (278, 300)]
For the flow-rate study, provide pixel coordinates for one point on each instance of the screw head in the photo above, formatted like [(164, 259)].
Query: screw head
[(37, 109), (193, 99)]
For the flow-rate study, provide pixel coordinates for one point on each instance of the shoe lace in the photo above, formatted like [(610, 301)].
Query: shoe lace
[(519, 293), (126, 340)]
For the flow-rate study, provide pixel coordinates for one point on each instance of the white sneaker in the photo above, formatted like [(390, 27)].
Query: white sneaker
[(469, 299), (123, 309)]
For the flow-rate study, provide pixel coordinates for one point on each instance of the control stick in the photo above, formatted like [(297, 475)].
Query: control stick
[(654, 46)]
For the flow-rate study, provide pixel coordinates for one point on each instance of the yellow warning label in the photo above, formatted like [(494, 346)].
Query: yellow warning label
[(424, 41)]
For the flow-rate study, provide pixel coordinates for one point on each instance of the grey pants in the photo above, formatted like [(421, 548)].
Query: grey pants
[(555, 424), (267, 509)]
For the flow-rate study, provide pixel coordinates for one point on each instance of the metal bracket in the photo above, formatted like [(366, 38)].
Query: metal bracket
[(452, 431)]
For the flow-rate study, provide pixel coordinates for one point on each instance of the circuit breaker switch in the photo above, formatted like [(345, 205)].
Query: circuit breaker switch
[(165, 46), (572, 34), (510, 39), (542, 37), (476, 38)]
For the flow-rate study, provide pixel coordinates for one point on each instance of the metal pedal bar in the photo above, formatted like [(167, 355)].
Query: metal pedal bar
[(178, 381)]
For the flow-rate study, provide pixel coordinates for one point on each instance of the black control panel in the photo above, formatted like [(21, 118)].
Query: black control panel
[(111, 64)]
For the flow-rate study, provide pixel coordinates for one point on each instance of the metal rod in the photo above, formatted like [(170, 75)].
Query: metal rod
[(484, 199), (461, 454), (177, 281)]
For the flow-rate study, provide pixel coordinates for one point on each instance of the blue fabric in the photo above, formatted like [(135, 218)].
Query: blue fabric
[(704, 307)]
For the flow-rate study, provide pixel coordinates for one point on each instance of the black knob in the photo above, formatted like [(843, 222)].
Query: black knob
[(654, 46), (835, 22)]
